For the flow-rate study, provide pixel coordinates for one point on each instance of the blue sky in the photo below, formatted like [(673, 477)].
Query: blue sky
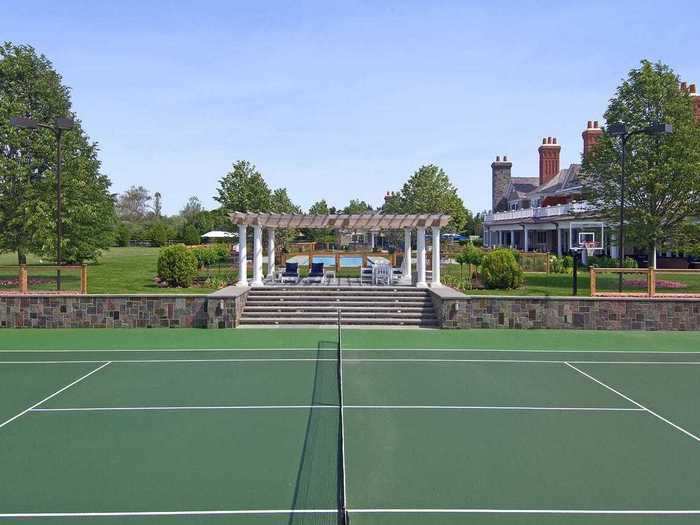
[(342, 100)]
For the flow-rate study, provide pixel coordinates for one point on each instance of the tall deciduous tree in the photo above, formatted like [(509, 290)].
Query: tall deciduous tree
[(244, 189), (662, 186), (133, 204), (357, 206), (429, 190), (29, 86)]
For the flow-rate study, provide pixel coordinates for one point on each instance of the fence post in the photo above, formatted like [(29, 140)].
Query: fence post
[(23, 280), (83, 279), (594, 284), (651, 282), (337, 261)]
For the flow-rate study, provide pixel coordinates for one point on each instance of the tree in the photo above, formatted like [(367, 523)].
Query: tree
[(190, 235), (357, 206), (133, 204), (157, 205), (244, 189), (662, 186), (319, 208), (29, 86), (191, 209), (429, 190), (281, 203)]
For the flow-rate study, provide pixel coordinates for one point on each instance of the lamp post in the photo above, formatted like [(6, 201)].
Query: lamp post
[(60, 125), (619, 129)]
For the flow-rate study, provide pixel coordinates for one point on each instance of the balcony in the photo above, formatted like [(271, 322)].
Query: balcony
[(571, 208)]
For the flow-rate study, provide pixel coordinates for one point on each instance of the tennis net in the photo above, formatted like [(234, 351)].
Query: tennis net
[(343, 517)]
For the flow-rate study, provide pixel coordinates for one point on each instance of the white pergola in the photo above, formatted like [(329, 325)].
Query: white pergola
[(363, 221)]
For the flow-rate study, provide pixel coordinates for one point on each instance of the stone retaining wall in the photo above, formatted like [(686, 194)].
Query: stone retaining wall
[(456, 310), (219, 310)]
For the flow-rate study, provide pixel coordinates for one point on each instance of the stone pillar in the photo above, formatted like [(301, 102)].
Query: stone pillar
[(242, 256), (436, 257), (420, 257), (406, 277), (271, 253), (257, 256), (526, 241)]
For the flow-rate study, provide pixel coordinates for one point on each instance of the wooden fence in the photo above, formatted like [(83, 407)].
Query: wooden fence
[(652, 282), (24, 271)]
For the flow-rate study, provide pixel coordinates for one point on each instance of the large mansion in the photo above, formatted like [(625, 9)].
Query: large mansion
[(534, 213)]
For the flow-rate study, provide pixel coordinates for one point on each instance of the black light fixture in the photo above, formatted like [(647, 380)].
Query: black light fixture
[(619, 129), (60, 125)]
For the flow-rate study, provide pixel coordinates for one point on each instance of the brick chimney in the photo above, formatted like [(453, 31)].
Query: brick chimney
[(549, 159), (500, 180), (590, 136), (696, 101), (692, 91)]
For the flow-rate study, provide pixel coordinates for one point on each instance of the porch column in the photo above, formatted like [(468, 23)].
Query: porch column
[(512, 238), (406, 277), (242, 256), (371, 240), (436, 257), (560, 250), (500, 238), (271, 253), (487, 238), (420, 257), (257, 256), (526, 241)]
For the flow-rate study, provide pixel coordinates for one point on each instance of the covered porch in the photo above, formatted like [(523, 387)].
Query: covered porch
[(421, 227)]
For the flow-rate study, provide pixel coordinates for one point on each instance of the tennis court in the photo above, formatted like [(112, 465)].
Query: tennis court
[(102, 429)]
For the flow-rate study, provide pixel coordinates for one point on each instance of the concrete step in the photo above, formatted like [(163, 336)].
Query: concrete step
[(315, 307), (289, 297), (334, 316), (427, 322), (259, 292), (336, 303)]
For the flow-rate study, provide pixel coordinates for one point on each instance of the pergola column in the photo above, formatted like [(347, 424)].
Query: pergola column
[(371, 240), (242, 256), (257, 256), (560, 248), (406, 270), (271, 253), (420, 257), (436, 256), (526, 240)]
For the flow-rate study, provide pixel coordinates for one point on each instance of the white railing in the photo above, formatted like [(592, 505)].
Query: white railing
[(559, 210)]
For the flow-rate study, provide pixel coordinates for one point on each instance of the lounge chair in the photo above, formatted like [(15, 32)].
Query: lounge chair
[(316, 273), (382, 274), (290, 273)]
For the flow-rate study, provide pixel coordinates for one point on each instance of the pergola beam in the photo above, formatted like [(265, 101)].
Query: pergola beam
[(362, 221)]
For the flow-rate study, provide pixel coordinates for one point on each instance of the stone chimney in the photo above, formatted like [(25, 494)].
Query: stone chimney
[(500, 180), (590, 136), (549, 159)]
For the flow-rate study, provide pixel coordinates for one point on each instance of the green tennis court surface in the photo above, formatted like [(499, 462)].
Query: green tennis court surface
[(542, 428)]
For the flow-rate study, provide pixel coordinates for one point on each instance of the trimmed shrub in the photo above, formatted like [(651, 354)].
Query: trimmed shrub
[(499, 269), (177, 266), (568, 261), (205, 255), (556, 264)]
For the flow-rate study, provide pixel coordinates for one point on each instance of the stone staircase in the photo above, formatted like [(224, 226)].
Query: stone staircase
[(318, 305)]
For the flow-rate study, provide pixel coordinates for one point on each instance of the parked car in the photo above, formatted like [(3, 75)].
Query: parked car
[(453, 237)]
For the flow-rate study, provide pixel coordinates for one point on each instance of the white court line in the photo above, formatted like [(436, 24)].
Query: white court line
[(54, 394), (165, 513), (196, 407), (515, 350), (623, 396), (350, 360), (495, 407), (638, 512), (225, 360), (335, 407)]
